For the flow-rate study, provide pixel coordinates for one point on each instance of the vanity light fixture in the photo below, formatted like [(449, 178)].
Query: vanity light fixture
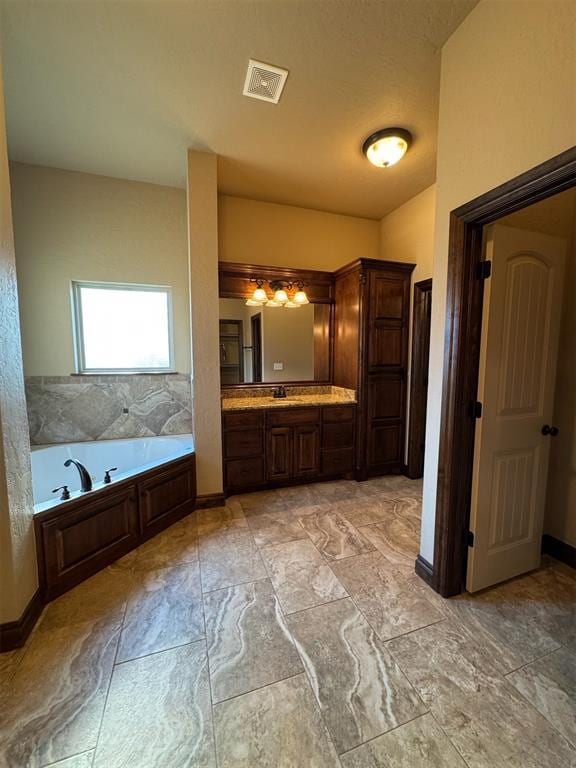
[(281, 296), (387, 146)]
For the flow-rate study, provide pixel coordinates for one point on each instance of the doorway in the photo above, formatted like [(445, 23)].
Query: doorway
[(256, 327), (467, 272), (422, 314)]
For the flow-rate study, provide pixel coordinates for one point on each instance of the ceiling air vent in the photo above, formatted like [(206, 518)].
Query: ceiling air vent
[(265, 82)]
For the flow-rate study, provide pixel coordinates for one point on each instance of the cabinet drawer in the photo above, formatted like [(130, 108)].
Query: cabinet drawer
[(338, 435), (338, 413), (240, 419), (293, 416), (243, 473), (337, 462), (246, 442)]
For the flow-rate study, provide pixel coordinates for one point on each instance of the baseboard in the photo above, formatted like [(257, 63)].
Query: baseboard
[(425, 570), (562, 551), (210, 500), (13, 634)]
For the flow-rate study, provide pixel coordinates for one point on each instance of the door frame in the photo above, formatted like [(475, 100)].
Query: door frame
[(256, 344), (418, 367), (461, 359)]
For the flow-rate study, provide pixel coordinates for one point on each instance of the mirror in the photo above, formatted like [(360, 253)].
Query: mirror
[(273, 344)]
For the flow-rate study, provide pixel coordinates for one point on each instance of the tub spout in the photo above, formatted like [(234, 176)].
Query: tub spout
[(85, 479)]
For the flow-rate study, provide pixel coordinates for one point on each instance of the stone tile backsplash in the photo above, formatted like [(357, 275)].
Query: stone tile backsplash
[(66, 409)]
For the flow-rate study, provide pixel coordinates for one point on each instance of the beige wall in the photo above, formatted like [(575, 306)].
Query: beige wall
[(507, 103), (203, 256), (78, 226), (288, 338), (254, 232), (18, 579), (407, 234)]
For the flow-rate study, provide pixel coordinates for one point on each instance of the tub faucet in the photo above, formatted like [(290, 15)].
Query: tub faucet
[(85, 479)]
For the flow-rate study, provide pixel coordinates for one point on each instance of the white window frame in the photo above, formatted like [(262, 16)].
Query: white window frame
[(78, 331)]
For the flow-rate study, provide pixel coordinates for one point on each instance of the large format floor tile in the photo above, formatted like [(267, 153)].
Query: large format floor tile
[(392, 604), (274, 727), (398, 539), (249, 645), (57, 695), (276, 528), (549, 684), (361, 691), (221, 518), (83, 760), (158, 713), (366, 510), (177, 544), (301, 576), (417, 744), (165, 610), (229, 558), (334, 536)]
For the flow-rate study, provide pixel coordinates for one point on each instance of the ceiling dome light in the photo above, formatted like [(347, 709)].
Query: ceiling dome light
[(386, 147)]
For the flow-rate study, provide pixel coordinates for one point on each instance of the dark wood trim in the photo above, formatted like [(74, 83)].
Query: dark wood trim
[(561, 550), (461, 355), (13, 634), (422, 296), (208, 500), (425, 570), (234, 280)]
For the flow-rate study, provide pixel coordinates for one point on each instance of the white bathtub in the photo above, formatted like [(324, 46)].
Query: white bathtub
[(130, 456)]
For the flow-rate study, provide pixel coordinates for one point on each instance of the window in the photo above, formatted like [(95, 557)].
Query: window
[(122, 328)]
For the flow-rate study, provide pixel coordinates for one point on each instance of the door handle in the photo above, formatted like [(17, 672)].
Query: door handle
[(548, 430)]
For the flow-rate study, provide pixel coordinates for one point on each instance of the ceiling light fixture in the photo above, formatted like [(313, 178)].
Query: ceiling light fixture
[(387, 146)]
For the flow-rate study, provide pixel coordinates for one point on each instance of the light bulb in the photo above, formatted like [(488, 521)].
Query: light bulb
[(387, 151), (300, 298), (281, 296)]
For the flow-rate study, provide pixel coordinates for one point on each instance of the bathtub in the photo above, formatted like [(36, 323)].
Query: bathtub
[(154, 487), (131, 456)]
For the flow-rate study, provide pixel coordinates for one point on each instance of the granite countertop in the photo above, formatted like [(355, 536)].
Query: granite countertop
[(254, 399)]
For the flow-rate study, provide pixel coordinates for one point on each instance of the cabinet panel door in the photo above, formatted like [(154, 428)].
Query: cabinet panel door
[(386, 398), (279, 453), (306, 451), (389, 302), (385, 447)]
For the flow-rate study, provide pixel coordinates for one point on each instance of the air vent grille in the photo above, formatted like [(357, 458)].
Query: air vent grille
[(265, 82)]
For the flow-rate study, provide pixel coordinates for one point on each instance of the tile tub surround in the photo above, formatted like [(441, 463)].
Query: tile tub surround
[(230, 640), (64, 409), (246, 398)]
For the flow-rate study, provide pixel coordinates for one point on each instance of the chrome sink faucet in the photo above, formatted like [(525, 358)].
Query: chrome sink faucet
[(85, 479), (279, 392)]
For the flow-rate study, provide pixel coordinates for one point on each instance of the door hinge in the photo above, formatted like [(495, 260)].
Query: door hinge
[(470, 538), (483, 270), (477, 410)]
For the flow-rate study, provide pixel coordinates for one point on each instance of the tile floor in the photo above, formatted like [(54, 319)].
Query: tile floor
[(288, 629)]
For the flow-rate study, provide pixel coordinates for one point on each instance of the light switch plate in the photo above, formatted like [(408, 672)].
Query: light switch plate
[(278, 366)]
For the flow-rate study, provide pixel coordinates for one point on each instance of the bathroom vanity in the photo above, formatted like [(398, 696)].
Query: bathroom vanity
[(345, 375), (278, 442)]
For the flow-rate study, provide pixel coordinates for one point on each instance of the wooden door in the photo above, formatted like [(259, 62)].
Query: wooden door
[(519, 347), (306, 450), (256, 327), (279, 455)]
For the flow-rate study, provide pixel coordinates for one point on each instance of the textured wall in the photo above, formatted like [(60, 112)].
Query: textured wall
[(203, 245), (78, 226), (18, 579), (64, 409), (255, 232), (507, 103)]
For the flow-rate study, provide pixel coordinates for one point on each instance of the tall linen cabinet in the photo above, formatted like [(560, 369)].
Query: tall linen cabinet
[(372, 314)]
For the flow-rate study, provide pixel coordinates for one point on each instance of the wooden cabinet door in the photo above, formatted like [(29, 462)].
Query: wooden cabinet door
[(279, 453), (306, 450)]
